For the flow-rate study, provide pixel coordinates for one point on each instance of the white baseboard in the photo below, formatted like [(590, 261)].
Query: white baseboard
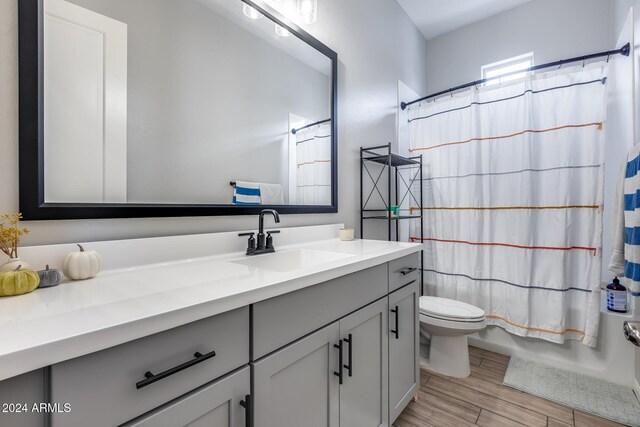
[(490, 346)]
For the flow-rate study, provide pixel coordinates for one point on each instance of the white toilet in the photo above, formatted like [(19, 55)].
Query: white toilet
[(448, 322)]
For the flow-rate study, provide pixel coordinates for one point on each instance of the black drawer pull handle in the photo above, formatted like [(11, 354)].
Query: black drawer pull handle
[(396, 311), (408, 270), (150, 378), (246, 404), (339, 373), (349, 367)]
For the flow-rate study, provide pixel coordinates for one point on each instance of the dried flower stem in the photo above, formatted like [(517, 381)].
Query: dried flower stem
[(10, 234)]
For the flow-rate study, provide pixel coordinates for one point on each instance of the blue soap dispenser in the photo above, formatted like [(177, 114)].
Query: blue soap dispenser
[(616, 297)]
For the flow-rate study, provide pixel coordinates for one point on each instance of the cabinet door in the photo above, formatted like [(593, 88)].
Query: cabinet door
[(404, 371), (18, 396), (214, 405), (297, 386), (364, 391)]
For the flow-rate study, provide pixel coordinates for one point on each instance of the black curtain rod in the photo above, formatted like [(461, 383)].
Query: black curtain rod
[(624, 50), (293, 131)]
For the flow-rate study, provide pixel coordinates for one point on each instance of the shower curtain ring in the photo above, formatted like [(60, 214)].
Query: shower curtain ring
[(450, 93), (560, 66), (608, 56), (583, 61)]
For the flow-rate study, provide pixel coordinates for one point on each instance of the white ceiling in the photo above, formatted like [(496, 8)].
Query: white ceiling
[(436, 17)]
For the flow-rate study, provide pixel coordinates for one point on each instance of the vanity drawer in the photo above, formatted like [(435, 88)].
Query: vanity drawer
[(102, 387), (281, 320), (216, 404), (403, 270)]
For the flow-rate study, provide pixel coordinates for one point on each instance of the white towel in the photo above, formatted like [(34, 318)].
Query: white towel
[(271, 194), (625, 259), (616, 264)]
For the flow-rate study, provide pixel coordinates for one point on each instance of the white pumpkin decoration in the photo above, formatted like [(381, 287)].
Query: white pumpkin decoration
[(82, 265)]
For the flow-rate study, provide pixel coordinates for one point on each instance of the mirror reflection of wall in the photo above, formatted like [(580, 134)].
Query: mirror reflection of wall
[(169, 101)]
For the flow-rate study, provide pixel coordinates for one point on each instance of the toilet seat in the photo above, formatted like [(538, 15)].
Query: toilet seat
[(450, 310), (452, 319)]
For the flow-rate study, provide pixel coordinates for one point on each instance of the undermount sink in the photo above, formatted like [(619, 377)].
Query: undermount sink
[(291, 260)]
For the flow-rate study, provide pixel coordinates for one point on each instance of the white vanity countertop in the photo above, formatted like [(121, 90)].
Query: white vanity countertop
[(120, 305)]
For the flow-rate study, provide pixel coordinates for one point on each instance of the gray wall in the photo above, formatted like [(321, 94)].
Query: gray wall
[(189, 127), (377, 45), (551, 29), (620, 11)]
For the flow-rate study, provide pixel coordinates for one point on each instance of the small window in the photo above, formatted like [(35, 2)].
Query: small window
[(500, 71)]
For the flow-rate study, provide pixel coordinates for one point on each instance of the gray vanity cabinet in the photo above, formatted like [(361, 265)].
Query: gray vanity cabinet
[(404, 370), (219, 404), (364, 389), (296, 386), (340, 353), (360, 371)]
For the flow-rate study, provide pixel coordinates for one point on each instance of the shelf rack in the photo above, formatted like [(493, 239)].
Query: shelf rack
[(392, 164)]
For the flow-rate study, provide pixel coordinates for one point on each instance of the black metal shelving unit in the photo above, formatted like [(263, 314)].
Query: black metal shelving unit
[(392, 164)]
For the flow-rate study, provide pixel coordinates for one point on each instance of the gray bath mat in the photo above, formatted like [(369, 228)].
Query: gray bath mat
[(597, 397)]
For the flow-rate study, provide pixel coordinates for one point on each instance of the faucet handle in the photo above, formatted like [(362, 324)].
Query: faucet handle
[(269, 244), (251, 243)]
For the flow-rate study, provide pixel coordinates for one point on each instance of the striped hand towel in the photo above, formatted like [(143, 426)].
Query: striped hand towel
[(246, 193), (625, 259)]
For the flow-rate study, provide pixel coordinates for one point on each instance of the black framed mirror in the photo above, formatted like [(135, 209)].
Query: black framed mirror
[(147, 108)]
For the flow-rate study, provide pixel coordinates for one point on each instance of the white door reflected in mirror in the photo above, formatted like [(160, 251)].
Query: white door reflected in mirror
[(85, 112)]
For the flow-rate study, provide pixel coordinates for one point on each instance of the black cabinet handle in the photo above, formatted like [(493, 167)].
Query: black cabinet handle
[(246, 404), (349, 367), (339, 373), (408, 270), (151, 378), (397, 330)]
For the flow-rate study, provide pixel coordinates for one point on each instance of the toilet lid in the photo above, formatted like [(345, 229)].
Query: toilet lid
[(448, 308)]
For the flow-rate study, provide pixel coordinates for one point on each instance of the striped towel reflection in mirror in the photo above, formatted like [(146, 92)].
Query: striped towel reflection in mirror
[(246, 193)]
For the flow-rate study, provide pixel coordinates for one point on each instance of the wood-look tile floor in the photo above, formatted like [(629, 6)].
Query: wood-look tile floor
[(482, 399)]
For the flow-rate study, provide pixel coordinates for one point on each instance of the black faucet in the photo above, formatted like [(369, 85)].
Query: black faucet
[(264, 243)]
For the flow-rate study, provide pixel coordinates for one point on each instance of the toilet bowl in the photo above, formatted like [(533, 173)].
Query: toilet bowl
[(448, 322)]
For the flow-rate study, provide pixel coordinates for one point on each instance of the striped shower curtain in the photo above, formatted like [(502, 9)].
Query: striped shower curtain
[(313, 150), (513, 200)]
